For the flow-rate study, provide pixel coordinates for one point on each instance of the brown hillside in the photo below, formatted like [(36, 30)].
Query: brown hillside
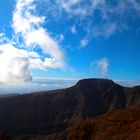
[(50, 113), (118, 125)]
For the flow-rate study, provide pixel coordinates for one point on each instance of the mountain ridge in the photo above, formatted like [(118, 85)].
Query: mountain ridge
[(46, 113)]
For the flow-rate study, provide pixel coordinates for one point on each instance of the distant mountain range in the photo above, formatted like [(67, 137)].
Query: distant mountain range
[(72, 113)]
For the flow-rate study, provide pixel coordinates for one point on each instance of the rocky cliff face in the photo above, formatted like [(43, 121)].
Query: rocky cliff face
[(46, 113)]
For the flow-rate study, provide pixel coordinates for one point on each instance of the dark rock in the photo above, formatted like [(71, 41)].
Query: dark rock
[(46, 113)]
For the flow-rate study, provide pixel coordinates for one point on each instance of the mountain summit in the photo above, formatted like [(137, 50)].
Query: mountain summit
[(45, 113)]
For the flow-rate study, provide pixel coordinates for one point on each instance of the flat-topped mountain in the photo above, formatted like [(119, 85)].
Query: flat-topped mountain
[(45, 113)]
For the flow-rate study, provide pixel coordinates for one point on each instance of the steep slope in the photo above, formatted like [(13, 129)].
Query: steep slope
[(122, 124), (52, 112), (133, 96)]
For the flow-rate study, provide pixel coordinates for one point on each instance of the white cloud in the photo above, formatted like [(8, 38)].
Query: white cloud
[(29, 27), (89, 7), (68, 5), (84, 42), (1, 34), (14, 64), (48, 45), (73, 29), (100, 66), (128, 83), (105, 30), (17, 55), (33, 54), (3, 38), (112, 15), (61, 37), (95, 18)]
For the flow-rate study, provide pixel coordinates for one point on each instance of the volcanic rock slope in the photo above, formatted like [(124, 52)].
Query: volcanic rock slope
[(54, 112), (122, 124)]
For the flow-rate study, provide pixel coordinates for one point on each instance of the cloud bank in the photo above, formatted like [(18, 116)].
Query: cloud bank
[(19, 55)]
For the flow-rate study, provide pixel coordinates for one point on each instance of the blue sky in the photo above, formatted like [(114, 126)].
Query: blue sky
[(69, 39)]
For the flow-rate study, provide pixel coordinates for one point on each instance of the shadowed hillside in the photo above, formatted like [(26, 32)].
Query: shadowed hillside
[(117, 125), (45, 113)]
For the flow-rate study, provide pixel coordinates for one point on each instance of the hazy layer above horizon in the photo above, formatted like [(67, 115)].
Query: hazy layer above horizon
[(44, 84), (37, 84)]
